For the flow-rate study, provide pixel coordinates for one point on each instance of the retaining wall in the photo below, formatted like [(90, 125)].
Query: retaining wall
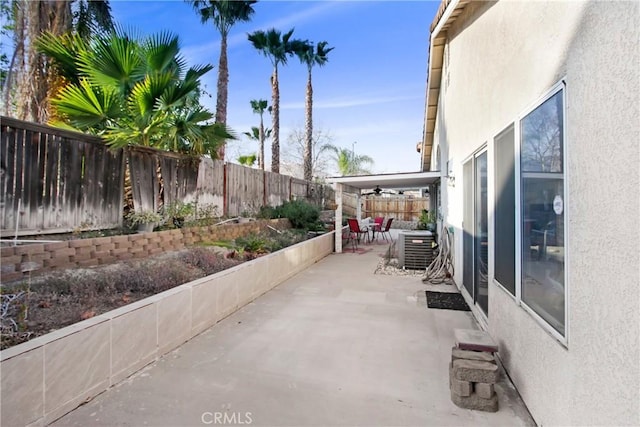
[(19, 262), (51, 375)]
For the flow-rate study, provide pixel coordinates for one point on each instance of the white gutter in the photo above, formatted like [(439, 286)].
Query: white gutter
[(443, 20)]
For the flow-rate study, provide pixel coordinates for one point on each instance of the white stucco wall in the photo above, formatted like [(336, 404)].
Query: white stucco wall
[(500, 59)]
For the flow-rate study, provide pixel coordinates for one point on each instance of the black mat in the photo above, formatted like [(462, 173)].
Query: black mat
[(446, 301)]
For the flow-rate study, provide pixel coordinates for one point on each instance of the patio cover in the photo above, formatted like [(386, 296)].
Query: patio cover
[(395, 181)]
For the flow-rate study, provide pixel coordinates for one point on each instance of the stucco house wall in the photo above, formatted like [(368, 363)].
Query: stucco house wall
[(500, 58)]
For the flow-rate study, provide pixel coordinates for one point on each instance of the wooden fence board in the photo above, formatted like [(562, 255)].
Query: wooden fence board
[(55, 176), (210, 190), (169, 171), (278, 188), (9, 136), (66, 180), (245, 189), (51, 201), (144, 180)]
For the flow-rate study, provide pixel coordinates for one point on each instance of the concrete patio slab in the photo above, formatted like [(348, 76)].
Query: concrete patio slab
[(335, 345)]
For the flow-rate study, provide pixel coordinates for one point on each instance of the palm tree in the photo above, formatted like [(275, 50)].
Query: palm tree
[(132, 92), (31, 81), (91, 17), (350, 163), (310, 57), (259, 106), (224, 14), (259, 135), (277, 47), (247, 160)]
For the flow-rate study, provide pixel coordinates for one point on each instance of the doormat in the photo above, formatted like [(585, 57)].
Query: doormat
[(446, 301)]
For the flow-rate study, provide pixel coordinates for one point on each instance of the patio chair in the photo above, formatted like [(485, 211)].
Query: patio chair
[(355, 231), (385, 230)]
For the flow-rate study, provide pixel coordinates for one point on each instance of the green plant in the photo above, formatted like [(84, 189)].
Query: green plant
[(253, 243), (301, 214), (143, 217), (179, 209), (426, 220)]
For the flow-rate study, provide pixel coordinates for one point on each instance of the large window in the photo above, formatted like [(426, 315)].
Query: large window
[(505, 208), (542, 198)]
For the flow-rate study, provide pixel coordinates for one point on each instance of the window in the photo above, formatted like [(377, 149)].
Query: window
[(505, 206), (542, 208)]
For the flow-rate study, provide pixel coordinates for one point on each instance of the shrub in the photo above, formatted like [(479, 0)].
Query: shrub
[(207, 261), (252, 243), (301, 214)]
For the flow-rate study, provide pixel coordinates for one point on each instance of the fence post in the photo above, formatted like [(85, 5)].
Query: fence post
[(225, 202), (264, 187)]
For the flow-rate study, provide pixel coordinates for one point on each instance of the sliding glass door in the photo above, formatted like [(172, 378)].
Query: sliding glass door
[(475, 240)]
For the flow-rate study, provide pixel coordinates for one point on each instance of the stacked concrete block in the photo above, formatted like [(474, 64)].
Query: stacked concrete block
[(473, 371)]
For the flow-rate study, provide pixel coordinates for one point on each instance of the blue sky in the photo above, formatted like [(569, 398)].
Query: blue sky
[(371, 92)]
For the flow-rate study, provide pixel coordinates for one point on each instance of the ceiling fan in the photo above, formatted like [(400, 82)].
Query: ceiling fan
[(378, 191)]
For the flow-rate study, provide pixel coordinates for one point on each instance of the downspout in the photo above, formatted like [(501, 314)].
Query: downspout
[(338, 219)]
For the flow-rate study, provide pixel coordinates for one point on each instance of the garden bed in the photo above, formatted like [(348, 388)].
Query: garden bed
[(34, 307), (48, 376)]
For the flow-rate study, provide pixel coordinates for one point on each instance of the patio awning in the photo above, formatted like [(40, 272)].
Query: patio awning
[(396, 181)]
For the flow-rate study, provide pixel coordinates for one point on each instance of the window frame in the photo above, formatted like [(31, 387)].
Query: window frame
[(559, 87), (513, 295)]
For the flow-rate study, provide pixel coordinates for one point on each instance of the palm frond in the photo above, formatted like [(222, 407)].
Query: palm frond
[(86, 106)]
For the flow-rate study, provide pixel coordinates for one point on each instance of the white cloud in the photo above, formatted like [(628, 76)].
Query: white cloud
[(350, 102), (205, 51)]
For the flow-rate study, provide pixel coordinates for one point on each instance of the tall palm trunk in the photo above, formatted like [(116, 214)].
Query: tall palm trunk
[(34, 74), (308, 148), (261, 137), (275, 116), (222, 89)]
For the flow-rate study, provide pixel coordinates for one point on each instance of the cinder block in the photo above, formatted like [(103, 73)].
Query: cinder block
[(7, 251), (80, 243), (155, 251), (484, 356), (56, 246), (29, 249), (106, 259), (471, 339), (475, 402), (124, 245), (485, 391), (80, 256), (30, 266), (105, 247), (13, 259), (475, 371), (461, 388), (118, 251), (39, 257), (62, 253)]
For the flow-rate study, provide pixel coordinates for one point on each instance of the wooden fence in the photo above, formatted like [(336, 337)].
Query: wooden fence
[(402, 208), (55, 181)]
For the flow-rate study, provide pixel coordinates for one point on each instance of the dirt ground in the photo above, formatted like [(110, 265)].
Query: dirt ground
[(48, 302)]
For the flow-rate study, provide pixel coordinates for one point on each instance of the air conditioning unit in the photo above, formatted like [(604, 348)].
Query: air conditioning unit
[(415, 249)]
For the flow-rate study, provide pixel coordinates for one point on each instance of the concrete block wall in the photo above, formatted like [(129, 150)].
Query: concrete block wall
[(51, 375), (18, 262)]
